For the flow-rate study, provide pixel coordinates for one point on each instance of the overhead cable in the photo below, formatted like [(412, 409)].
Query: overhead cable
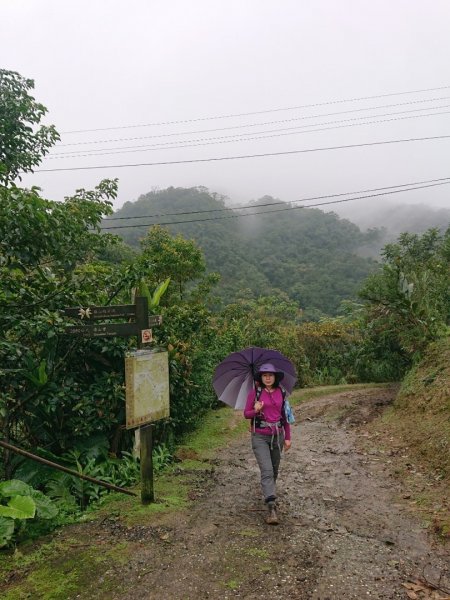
[(260, 112), (224, 139), (302, 118), (244, 156)]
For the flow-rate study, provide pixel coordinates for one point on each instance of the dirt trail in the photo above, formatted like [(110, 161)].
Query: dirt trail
[(345, 531)]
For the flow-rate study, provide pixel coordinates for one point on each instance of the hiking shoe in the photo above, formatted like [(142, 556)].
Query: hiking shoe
[(272, 517)]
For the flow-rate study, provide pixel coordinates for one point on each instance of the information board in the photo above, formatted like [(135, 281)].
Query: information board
[(147, 387)]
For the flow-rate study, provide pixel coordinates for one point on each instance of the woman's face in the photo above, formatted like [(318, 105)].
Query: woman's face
[(268, 379)]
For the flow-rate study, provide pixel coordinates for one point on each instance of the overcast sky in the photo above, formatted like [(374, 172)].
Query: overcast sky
[(105, 64)]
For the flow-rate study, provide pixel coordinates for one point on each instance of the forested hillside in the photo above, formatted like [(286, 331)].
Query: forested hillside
[(315, 257)]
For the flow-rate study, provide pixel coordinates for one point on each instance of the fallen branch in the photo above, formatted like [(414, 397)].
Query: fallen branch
[(53, 465)]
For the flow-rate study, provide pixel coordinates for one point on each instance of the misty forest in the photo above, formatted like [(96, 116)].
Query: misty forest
[(347, 304)]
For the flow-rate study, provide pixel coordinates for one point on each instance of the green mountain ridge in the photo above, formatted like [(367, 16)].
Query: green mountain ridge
[(317, 258)]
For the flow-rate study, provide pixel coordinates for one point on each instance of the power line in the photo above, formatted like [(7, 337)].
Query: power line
[(277, 210), (243, 156), (212, 210), (304, 117), (224, 140), (260, 112)]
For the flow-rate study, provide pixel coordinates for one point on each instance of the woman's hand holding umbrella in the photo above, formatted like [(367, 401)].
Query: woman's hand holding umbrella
[(258, 406)]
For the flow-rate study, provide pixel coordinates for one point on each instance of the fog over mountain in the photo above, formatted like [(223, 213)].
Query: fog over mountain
[(316, 258), (397, 218), (290, 99)]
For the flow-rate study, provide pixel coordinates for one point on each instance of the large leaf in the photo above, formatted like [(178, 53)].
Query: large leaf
[(6, 531), (159, 292), (153, 300), (58, 489), (14, 487), (45, 509), (19, 507)]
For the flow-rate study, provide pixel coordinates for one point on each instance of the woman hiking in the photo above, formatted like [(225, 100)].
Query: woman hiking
[(270, 431)]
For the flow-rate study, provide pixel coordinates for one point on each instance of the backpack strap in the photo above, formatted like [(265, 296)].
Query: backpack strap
[(256, 421), (283, 414)]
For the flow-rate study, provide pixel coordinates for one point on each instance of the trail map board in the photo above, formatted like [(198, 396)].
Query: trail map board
[(147, 387)]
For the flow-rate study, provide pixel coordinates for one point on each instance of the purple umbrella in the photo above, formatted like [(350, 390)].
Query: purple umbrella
[(234, 376)]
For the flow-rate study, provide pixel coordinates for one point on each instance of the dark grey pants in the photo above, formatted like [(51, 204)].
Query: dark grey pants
[(267, 450)]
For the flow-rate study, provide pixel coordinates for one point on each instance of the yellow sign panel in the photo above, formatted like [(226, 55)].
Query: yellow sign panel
[(147, 387)]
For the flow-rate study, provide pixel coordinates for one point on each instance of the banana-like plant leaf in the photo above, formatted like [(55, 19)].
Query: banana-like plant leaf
[(143, 290), (38, 375), (45, 508), (159, 292), (14, 487), (19, 507)]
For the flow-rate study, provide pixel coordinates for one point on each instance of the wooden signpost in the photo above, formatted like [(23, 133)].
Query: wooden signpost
[(140, 326)]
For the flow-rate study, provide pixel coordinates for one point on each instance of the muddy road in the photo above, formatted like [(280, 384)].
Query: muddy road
[(345, 529)]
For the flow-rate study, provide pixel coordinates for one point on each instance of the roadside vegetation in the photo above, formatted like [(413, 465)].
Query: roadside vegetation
[(63, 397)]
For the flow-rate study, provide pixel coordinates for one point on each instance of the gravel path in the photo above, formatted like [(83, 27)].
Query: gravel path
[(345, 532)]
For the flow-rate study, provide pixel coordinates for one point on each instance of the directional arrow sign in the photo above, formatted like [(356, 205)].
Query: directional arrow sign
[(101, 312), (104, 330), (95, 313)]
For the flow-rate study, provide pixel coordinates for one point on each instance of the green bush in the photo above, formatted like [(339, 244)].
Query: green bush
[(20, 503)]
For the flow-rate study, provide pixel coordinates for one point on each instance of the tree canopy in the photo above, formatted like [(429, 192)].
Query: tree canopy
[(22, 143)]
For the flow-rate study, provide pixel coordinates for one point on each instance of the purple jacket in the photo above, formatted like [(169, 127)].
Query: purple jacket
[(271, 411)]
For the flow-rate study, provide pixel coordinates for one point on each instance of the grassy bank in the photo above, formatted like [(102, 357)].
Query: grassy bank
[(305, 394), (417, 430)]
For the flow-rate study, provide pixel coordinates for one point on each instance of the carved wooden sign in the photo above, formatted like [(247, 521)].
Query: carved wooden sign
[(139, 326)]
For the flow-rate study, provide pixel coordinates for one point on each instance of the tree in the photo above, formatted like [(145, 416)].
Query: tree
[(22, 147), (46, 263), (408, 301), (174, 257)]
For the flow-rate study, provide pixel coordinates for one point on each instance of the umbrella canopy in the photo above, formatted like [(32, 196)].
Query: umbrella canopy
[(234, 377)]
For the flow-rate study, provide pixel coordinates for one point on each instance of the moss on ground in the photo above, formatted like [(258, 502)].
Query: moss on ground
[(58, 569), (257, 552), (217, 428)]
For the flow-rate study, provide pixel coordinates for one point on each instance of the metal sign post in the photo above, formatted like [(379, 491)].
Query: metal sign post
[(140, 327), (145, 431)]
